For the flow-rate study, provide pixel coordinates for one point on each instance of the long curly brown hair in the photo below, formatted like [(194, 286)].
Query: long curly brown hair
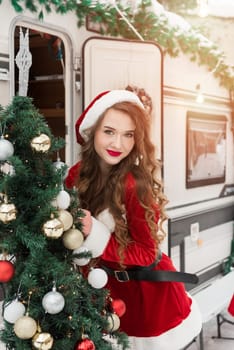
[(98, 192)]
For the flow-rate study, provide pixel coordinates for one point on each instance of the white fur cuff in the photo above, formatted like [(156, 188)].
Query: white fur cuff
[(97, 239), (107, 219)]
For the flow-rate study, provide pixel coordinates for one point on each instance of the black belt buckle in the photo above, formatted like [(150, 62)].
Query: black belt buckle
[(121, 276)]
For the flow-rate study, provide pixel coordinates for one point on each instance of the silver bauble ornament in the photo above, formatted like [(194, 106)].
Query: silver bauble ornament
[(13, 311), (41, 143), (25, 327), (72, 239), (53, 302), (6, 149), (60, 165)]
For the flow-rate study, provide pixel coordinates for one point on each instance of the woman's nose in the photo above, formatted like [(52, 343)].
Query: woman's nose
[(117, 141)]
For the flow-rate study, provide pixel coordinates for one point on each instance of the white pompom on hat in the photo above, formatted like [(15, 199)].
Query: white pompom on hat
[(97, 107)]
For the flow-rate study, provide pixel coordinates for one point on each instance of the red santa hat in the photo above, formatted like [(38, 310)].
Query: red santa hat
[(97, 107)]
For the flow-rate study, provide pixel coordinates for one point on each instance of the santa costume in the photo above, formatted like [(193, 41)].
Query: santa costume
[(231, 306), (160, 315)]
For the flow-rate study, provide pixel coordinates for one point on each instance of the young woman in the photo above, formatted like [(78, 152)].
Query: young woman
[(116, 181)]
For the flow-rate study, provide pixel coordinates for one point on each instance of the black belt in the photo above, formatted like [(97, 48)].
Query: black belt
[(145, 273)]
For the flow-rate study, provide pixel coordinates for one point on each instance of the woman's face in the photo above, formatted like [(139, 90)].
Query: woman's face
[(114, 137)]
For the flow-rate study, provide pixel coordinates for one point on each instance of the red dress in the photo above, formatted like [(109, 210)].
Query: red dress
[(152, 308), (231, 306)]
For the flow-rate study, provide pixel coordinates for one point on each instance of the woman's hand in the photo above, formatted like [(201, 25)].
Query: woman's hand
[(96, 232), (98, 238), (86, 222)]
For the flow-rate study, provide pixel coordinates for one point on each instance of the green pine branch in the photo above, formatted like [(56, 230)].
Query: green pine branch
[(149, 25)]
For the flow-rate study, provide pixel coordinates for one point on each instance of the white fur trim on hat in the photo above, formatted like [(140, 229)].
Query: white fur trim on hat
[(106, 101), (97, 239)]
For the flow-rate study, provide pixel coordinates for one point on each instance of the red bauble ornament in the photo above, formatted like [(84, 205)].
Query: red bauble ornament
[(6, 271), (85, 344), (118, 306)]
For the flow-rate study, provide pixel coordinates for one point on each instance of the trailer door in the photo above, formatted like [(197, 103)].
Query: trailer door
[(115, 64)]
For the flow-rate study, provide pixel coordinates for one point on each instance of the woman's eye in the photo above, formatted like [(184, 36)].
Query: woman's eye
[(108, 132), (130, 134)]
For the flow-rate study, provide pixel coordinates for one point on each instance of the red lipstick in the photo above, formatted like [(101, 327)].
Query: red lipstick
[(113, 153)]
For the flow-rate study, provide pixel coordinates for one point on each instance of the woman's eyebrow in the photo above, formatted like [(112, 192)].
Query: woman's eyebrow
[(110, 127)]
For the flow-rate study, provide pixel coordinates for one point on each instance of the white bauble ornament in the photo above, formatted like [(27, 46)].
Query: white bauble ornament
[(6, 149), (25, 327), (41, 143), (66, 218), (113, 323), (81, 261), (53, 302), (13, 311), (72, 239), (63, 199), (97, 278)]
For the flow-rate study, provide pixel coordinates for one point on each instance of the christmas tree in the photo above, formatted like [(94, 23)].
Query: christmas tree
[(48, 303)]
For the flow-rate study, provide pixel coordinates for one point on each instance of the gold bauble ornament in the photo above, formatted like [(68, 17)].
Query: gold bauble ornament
[(25, 327), (41, 143), (113, 322), (53, 228), (42, 341), (73, 238), (7, 212), (2, 198), (66, 218), (7, 168)]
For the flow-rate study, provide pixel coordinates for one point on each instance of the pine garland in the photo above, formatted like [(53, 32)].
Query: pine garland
[(149, 25)]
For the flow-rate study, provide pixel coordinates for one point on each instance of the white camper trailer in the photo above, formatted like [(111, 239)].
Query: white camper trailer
[(69, 66), (195, 141)]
